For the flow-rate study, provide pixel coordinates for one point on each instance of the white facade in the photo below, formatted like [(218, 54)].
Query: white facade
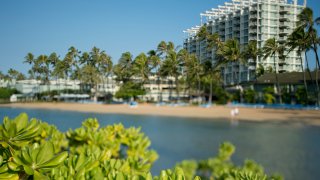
[(163, 91), (248, 20)]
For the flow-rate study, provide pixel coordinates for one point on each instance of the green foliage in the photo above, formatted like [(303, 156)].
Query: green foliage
[(27, 150), (260, 70), (31, 149), (268, 95), (221, 167), (130, 90), (5, 93), (286, 95), (222, 96), (249, 96), (236, 96), (301, 96)]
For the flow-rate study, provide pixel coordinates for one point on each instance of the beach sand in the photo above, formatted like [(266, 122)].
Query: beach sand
[(310, 117)]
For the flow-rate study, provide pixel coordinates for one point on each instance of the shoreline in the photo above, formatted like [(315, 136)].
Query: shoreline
[(307, 117)]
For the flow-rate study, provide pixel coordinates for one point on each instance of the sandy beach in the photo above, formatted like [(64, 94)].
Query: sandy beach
[(310, 117)]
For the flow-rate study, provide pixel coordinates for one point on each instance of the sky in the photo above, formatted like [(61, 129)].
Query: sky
[(116, 26)]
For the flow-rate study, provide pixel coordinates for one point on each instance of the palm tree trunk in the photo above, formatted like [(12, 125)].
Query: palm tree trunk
[(199, 86), (159, 92), (277, 80), (317, 83), (304, 78), (315, 49), (238, 84), (210, 95), (177, 88), (310, 75)]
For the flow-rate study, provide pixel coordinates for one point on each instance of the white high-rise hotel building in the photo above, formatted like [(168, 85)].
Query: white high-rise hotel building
[(248, 20)]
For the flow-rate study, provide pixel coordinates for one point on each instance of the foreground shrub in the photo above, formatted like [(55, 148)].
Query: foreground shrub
[(31, 149)]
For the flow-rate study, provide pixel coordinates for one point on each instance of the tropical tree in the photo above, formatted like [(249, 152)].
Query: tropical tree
[(299, 40), (231, 53), (171, 66), (58, 71), (141, 68), (168, 52), (155, 63), (202, 33), (250, 55), (306, 21), (105, 65), (44, 68), (213, 68), (272, 48), (14, 74), (184, 79), (70, 62), (29, 58), (1, 75), (195, 71), (214, 41), (123, 70)]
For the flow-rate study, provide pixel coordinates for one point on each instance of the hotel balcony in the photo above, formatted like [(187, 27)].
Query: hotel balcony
[(284, 18), (283, 32), (236, 29), (253, 24), (236, 23), (253, 9), (253, 31), (282, 70), (253, 38), (283, 25), (282, 62), (253, 16), (282, 40), (283, 10)]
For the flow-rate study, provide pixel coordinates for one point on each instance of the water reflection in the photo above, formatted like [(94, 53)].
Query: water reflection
[(292, 149)]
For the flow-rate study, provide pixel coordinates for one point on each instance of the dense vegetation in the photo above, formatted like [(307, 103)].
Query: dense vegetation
[(198, 79), (5, 93), (32, 149)]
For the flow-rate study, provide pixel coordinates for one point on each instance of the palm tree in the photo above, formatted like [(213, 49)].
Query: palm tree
[(202, 33), (58, 71), (162, 48), (168, 52), (184, 58), (1, 75), (105, 67), (251, 52), (214, 41), (213, 67), (171, 66), (29, 58), (231, 53), (299, 40), (70, 61), (123, 70), (194, 71), (273, 48), (141, 67), (155, 63), (306, 21)]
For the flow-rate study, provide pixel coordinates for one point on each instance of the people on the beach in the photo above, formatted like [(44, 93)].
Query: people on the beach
[(234, 112)]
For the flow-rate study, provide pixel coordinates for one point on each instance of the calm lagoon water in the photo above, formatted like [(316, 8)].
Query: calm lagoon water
[(291, 149)]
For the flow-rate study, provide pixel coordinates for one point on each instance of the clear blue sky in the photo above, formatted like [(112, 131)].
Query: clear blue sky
[(116, 26)]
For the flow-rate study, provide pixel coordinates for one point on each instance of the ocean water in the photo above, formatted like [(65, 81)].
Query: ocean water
[(288, 148)]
